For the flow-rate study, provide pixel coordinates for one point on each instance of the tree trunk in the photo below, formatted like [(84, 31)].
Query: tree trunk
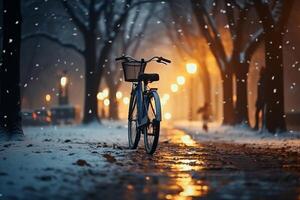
[(205, 78), (275, 120), (113, 106), (90, 113), (228, 112), (90, 103), (10, 70), (241, 106)]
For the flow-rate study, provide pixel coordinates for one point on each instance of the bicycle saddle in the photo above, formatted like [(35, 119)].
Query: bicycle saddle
[(148, 77)]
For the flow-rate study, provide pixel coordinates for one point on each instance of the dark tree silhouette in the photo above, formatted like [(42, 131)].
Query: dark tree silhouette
[(185, 35), (10, 103), (274, 25), (238, 60), (98, 22)]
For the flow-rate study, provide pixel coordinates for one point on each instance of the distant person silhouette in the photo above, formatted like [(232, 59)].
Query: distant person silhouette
[(205, 115), (260, 100)]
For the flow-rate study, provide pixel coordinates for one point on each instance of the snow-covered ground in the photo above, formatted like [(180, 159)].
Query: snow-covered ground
[(240, 134), (55, 160)]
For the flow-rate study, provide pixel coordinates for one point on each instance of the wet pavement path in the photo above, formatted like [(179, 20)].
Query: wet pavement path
[(184, 169)]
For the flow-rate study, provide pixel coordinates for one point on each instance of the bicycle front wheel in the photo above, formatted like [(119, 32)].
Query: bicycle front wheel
[(152, 129), (133, 132)]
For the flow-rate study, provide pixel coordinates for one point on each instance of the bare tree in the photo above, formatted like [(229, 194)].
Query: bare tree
[(184, 34), (274, 25), (10, 103), (237, 62), (98, 22)]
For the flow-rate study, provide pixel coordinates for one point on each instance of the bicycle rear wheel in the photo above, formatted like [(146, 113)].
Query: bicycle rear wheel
[(133, 132), (152, 129)]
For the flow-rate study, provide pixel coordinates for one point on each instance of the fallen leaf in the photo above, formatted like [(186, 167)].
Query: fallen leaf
[(82, 163), (109, 158)]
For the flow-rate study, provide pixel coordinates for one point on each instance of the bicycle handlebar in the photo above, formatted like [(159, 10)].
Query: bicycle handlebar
[(120, 58), (165, 60), (158, 59)]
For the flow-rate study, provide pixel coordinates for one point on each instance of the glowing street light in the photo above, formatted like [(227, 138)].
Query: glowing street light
[(119, 95), (180, 80), (105, 92), (106, 102), (174, 87), (167, 116), (48, 98), (191, 68), (166, 97), (63, 81), (126, 100), (100, 96), (63, 97)]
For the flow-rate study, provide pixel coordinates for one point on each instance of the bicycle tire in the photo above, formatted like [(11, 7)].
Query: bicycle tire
[(134, 134), (152, 129)]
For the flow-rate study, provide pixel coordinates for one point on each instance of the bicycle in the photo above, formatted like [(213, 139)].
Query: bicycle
[(144, 114)]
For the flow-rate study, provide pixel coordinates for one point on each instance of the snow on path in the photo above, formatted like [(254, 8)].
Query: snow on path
[(241, 135), (56, 160)]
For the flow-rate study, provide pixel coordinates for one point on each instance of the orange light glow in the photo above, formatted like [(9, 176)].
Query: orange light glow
[(106, 102), (168, 116), (126, 100), (63, 81), (119, 95), (105, 92), (180, 80), (48, 97), (174, 87), (100, 96), (191, 68)]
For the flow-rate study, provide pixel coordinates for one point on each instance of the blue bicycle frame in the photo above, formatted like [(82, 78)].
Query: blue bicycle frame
[(141, 108)]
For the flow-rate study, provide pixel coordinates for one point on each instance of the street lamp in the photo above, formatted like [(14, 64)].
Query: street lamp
[(167, 116), (48, 98), (126, 100), (63, 98), (180, 80), (63, 81), (174, 87), (191, 69), (119, 95), (106, 102), (105, 92), (100, 96)]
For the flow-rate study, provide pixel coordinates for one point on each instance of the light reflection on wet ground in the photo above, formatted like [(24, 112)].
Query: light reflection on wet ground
[(183, 169)]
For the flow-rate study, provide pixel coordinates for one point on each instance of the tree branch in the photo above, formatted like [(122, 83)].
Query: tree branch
[(53, 39), (77, 21)]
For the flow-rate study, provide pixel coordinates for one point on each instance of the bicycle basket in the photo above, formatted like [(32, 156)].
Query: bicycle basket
[(132, 70)]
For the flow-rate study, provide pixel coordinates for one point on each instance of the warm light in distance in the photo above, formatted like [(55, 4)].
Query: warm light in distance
[(48, 97), (166, 97), (63, 81), (119, 95), (187, 140), (191, 68), (106, 102), (126, 100), (180, 80), (167, 116), (105, 92), (174, 87), (100, 96)]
